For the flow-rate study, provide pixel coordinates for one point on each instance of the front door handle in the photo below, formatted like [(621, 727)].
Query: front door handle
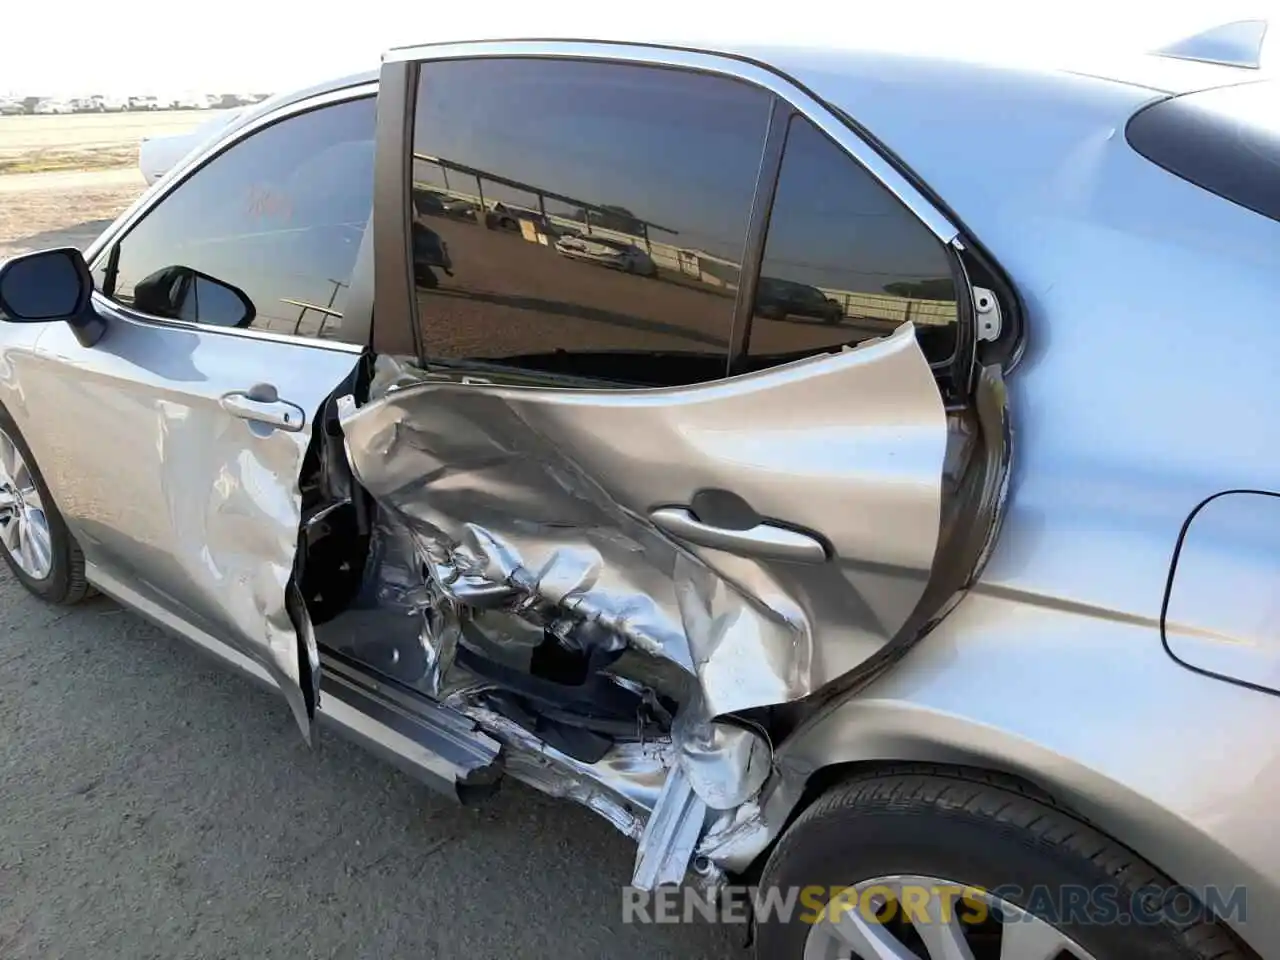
[(763, 540), (262, 404)]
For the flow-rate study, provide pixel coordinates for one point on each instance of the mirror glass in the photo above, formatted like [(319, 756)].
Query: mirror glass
[(181, 293), (49, 285)]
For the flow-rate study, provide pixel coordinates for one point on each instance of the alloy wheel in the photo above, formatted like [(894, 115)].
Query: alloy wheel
[(24, 525), (886, 920)]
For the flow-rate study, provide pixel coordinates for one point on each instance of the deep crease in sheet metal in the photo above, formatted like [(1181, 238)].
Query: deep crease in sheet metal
[(533, 501), (245, 540)]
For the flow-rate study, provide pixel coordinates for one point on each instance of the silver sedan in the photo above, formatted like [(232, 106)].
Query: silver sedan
[(943, 626)]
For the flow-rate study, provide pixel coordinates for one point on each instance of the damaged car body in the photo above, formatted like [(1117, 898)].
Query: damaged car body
[(639, 540)]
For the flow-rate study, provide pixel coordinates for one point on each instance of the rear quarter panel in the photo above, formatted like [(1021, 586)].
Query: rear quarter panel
[(1148, 384)]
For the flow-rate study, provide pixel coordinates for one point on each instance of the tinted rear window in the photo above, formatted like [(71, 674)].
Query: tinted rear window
[(1226, 141)]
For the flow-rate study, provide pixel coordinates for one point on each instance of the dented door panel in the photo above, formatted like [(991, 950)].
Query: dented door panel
[(537, 502), (191, 506)]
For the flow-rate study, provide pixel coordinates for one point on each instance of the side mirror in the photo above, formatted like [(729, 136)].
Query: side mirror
[(181, 293), (50, 285)]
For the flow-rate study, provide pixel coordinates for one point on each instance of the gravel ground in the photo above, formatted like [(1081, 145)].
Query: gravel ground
[(154, 805)]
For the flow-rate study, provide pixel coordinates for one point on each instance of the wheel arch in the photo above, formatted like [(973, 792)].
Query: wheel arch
[(864, 738)]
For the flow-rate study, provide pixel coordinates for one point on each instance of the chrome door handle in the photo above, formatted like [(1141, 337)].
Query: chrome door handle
[(262, 404), (762, 540)]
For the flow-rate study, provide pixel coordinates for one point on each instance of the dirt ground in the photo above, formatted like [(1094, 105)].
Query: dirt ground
[(33, 144), (62, 209), (64, 178)]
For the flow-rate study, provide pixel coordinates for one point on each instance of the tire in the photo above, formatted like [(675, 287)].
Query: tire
[(985, 832), (65, 583)]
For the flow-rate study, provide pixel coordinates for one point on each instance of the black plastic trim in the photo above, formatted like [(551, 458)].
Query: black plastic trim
[(1211, 149), (757, 232), (1168, 593)]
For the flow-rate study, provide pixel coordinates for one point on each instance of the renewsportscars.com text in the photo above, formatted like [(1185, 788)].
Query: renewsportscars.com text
[(940, 903)]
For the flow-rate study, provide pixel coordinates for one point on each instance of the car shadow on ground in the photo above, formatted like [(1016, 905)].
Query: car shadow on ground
[(77, 235), (157, 805)]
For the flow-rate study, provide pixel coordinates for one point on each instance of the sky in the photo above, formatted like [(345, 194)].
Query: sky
[(150, 46)]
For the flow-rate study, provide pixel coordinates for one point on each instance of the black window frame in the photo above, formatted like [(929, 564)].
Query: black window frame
[(953, 373), (400, 84), (355, 329)]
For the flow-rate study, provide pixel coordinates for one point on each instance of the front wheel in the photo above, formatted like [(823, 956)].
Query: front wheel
[(34, 539), (944, 865)]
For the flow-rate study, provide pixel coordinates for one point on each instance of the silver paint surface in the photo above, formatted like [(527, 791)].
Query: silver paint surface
[(162, 487), (1236, 44), (536, 501)]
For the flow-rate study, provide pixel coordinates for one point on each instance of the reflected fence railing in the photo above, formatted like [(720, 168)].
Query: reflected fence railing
[(539, 226)]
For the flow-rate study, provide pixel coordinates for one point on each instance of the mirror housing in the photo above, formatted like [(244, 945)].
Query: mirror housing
[(51, 285)]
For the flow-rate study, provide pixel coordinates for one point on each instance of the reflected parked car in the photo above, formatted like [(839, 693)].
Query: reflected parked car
[(458, 208), (778, 299), (431, 203), (607, 252), (502, 217), (429, 251), (11, 108), (145, 103)]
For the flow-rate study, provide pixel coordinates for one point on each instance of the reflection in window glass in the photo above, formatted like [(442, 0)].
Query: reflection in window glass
[(582, 218), (845, 261), (265, 235)]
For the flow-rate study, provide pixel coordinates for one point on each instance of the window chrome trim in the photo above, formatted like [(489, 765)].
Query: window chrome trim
[(705, 62), (120, 312), (178, 175)]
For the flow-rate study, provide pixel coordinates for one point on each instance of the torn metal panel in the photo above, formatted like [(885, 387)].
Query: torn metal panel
[(736, 838), (726, 764), (671, 835), (623, 787), (535, 503), (400, 623)]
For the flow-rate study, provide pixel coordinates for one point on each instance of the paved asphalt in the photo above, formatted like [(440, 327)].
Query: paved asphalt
[(154, 805)]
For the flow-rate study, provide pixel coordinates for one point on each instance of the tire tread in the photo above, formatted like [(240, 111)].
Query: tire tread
[(1032, 817)]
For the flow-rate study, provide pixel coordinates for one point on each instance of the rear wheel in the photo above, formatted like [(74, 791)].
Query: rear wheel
[(951, 866), (34, 539)]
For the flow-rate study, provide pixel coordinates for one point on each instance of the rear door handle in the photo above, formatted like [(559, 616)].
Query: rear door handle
[(262, 404), (763, 540)]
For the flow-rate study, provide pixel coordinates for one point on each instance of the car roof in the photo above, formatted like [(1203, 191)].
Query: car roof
[(997, 137), (896, 90)]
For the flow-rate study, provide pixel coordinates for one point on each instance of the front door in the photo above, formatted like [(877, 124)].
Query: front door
[(173, 446)]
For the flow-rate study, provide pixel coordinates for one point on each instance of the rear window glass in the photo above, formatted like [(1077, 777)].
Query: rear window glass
[(1226, 141)]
